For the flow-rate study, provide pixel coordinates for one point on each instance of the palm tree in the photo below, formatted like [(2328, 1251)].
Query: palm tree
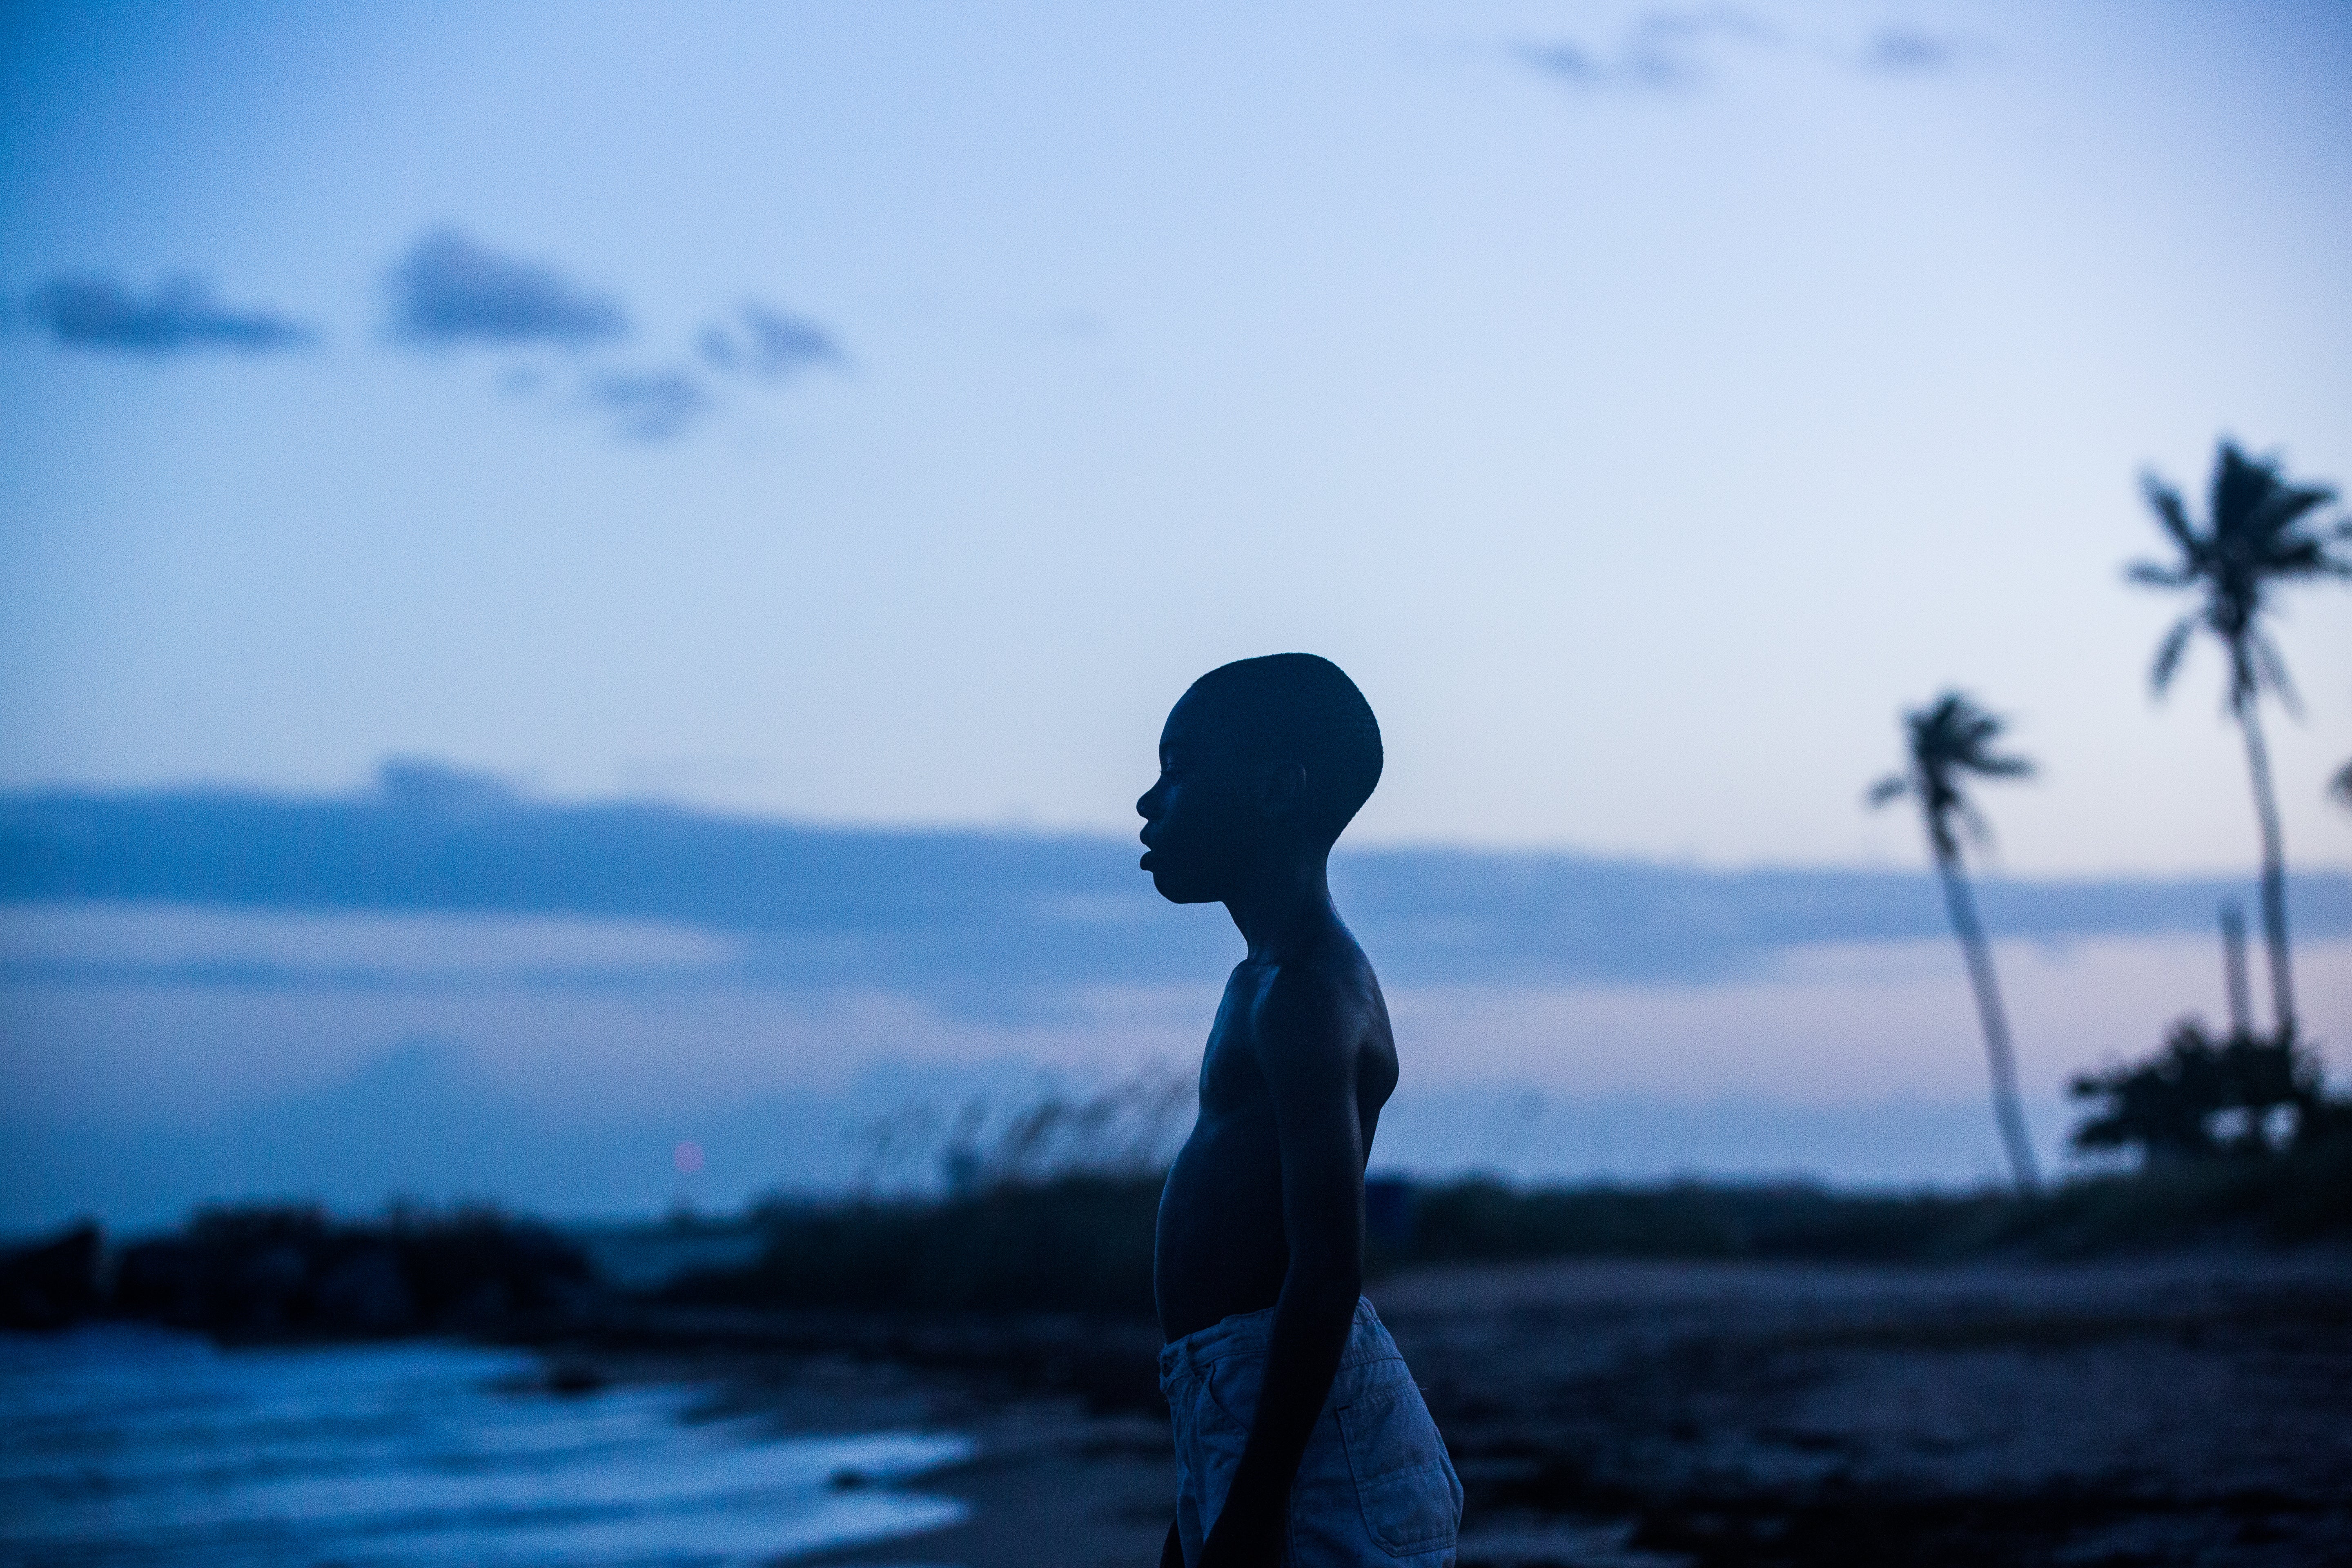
[(1950, 739), (2254, 540)]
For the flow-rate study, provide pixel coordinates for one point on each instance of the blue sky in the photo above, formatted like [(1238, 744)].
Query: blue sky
[(1643, 404), (877, 414)]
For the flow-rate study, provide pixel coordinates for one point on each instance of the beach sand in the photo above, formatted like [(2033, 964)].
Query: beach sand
[(2160, 1411), (1049, 1487), (2184, 1409)]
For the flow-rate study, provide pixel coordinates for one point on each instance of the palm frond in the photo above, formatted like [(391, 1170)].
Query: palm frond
[(2272, 668), (2334, 565), (1894, 786), (2340, 786), (2168, 652), (2240, 485), (2283, 505), (1949, 740), (2257, 537), (2166, 502), (2245, 677)]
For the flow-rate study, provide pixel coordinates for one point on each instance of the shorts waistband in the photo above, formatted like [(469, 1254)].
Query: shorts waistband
[(1247, 1333)]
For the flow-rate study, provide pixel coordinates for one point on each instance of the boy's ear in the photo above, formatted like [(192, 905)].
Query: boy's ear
[(1283, 789)]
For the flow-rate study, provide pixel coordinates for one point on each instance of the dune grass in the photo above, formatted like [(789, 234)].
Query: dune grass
[(1082, 1243)]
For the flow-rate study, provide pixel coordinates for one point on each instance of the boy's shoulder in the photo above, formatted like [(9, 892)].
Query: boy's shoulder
[(1317, 999)]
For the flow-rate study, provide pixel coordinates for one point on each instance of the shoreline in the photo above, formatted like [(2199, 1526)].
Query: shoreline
[(1051, 1482)]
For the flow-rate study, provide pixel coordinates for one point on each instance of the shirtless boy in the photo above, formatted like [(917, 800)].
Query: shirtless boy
[(1300, 1436)]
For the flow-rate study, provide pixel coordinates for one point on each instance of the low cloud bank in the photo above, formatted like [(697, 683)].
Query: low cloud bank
[(981, 919)]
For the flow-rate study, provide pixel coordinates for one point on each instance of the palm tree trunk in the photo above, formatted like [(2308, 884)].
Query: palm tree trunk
[(2258, 761), (2233, 971), (2008, 1111)]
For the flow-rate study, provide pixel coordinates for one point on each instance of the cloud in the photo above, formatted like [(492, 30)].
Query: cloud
[(649, 405), (768, 342), (1662, 50), (1906, 51), (1570, 62), (420, 786), (969, 919), (448, 290), (180, 316)]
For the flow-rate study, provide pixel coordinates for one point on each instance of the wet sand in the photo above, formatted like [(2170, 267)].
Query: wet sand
[(1052, 1489), (2176, 1410), (1056, 1480)]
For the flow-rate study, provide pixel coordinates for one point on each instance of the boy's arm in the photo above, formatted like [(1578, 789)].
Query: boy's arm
[(1305, 1037)]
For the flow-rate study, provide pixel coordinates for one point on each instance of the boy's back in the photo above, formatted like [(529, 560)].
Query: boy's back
[(1300, 1436)]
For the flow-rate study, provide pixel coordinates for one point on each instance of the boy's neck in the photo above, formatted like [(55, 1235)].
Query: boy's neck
[(1285, 906)]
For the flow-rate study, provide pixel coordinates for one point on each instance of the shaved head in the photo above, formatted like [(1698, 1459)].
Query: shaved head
[(1298, 708)]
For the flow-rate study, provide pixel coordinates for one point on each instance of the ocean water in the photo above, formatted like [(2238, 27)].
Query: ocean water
[(126, 1446)]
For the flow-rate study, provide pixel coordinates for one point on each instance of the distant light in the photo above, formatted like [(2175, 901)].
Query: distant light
[(687, 1157)]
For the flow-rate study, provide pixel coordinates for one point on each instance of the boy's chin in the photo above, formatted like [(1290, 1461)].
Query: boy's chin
[(1178, 889)]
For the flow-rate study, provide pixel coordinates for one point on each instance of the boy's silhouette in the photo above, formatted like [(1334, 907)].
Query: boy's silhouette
[(1300, 1436)]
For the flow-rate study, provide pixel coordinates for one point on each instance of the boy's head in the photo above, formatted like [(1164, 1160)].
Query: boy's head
[(1261, 757)]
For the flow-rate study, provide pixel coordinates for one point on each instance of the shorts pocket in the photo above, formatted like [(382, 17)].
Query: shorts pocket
[(1231, 1389), (1403, 1482)]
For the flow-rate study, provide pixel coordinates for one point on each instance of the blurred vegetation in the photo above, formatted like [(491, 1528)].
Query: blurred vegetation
[(1079, 1243), (1082, 1243), (2201, 1096), (1047, 1203), (1051, 1207), (2304, 1195), (1122, 1129)]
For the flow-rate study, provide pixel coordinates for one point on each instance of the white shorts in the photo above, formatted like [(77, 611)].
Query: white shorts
[(1375, 1486)]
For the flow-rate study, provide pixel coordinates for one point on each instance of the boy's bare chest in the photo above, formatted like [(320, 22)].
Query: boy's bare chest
[(1232, 1079)]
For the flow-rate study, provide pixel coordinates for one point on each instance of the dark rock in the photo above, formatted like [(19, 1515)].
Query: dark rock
[(265, 1292), (290, 1273), (162, 1281), (572, 1379), (366, 1294), (51, 1284)]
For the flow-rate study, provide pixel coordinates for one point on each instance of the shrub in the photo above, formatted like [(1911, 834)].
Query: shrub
[(2200, 1096)]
